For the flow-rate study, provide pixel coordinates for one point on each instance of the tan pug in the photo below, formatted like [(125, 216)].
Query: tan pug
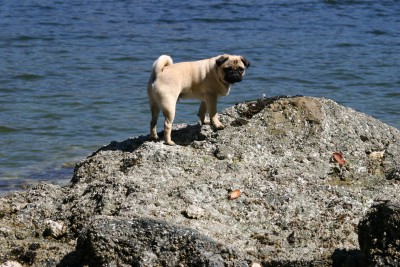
[(205, 80)]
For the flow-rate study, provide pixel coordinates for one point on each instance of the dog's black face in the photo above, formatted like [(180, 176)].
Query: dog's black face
[(233, 68), (233, 75)]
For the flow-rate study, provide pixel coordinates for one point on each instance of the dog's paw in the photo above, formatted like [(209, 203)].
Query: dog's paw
[(218, 126), (154, 138), (170, 143)]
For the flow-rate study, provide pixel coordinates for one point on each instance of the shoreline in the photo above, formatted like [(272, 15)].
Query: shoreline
[(55, 174)]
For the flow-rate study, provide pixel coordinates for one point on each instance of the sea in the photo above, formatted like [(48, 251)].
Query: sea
[(73, 73)]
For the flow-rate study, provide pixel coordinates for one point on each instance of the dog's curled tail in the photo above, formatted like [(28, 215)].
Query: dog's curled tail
[(159, 65)]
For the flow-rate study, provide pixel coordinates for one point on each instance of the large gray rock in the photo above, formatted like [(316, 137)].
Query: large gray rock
[(113, 241), (379, 234), (298, 206)]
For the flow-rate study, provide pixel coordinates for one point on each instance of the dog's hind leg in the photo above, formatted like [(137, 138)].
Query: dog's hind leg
[(155, 111), (168, 109)]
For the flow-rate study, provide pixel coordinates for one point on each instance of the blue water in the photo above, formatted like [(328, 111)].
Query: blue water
[(73, 74)]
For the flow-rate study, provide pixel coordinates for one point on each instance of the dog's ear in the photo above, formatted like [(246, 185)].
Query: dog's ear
[(221, 60), (245, 61)]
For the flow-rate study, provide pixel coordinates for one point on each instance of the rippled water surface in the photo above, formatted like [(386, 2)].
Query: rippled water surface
[(73, 74)]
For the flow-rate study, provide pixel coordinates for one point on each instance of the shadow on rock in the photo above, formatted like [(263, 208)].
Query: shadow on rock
[(182, 135), (71, 259), (348, 258), (379, 235)]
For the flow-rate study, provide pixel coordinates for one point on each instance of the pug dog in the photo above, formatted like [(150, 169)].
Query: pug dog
[(205, 80)]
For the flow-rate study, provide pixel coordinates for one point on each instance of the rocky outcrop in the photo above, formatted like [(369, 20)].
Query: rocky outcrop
[(306, 171)]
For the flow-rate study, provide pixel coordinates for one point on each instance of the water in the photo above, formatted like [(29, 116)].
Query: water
[(73, 74)]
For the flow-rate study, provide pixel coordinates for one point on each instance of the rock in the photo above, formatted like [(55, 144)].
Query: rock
[(54, 229), (297, 206), (194, 212), (147, 242), (379, 234)]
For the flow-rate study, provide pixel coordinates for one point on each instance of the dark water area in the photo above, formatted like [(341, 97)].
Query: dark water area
[(73, 74)]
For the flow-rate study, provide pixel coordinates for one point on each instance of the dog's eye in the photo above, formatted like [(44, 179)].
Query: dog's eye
[(228, 69), (240, 69)]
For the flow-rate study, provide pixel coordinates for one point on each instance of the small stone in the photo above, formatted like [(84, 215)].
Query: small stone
[(54, 229), (194, 212), (376, 155), (235, 194)]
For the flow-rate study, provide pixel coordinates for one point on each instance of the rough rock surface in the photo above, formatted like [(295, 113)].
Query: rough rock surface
[(144, 203), (379, 234), (148, 242)]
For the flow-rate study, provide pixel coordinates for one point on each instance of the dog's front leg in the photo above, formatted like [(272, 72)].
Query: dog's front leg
[(211, 103), (202, 112)]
